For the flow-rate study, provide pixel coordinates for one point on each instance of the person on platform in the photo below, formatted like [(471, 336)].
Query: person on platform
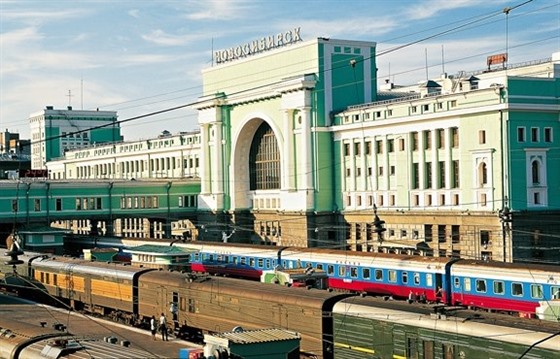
[(153, 327), (225, 237), (163, 327)]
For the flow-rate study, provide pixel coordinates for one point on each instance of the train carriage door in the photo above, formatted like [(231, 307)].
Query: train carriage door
[(439, 287), (173, 309), (411, 346)]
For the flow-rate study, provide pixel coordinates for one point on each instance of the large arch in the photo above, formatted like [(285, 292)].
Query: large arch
[(239, 169)]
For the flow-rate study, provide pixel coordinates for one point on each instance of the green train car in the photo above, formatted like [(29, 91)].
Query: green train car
[(362, 329)]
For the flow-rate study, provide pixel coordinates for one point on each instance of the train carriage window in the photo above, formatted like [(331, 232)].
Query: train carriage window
[(354, 272), (55, 279), (319, 266), (517, 289), (48, 278), (499, 287), (42, 277), (366, 273), (252, 262), (404, 277), (273, 263), (260, 262), (226, 259), (555, 292), (417, 278), (211, 258), (429, 281), (393, 276), (267, 263), (234, 260), (467, 284), (456, 282), (182, 304), (481, 285), (196, 256), (378, 274), (330, 269), (220, 258), (192, 307), (341, 271), (536, 291), (243, 260)]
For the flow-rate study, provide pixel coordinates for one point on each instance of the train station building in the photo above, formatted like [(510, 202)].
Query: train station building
[(301, 144)]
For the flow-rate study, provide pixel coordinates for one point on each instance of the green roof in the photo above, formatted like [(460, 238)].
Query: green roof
[(163, 250)]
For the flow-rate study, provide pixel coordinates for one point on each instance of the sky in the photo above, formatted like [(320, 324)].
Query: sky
[(144, 56)]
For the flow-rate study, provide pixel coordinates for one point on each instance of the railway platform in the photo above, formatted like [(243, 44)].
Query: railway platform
[(117, 339)]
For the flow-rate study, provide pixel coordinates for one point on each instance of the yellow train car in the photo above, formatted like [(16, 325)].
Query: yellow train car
[(96, 287)]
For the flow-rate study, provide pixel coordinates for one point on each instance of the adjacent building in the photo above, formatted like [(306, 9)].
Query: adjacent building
[(55, 131)]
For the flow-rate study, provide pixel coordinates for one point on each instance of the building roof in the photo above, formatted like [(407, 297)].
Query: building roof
[(160, 250)]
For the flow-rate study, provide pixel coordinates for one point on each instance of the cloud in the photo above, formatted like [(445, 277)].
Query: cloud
[(135, 13), (160, 37), (217, 9), (424, 10), (43, 16)]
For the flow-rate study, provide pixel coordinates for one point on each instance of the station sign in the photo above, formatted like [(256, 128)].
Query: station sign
[(256, 46)]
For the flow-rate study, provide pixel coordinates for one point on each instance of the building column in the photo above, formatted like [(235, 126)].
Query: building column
[(306, 162), (204, 164), (217, 163), (288, 175)]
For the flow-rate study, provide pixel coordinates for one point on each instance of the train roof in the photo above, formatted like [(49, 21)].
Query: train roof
[(514, 330), (502, 270), (386, 260), (265, 292), (78, 266)]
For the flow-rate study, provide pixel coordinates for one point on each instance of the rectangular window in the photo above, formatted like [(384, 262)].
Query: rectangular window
[(484, 238), (341, 271), (346, 149), (517, 289), (536, 291), (481, 285), (378, 274), (534, 134), (357, 149), (415, 141), (379, 145), (401, 144), (467, 284), (427, 140), (37, 205), (415, 176), (366, 273), (354, 272), (417, 278), (455, 174), (455, 137), (392, 276), (428, 175), (58, 204), (548, 134), (441, 138), (520, 134), (404, 277), (391, 146), (441, 174), (481, 137), (455, 234), (368, 147), (499, 287), (79, 203)]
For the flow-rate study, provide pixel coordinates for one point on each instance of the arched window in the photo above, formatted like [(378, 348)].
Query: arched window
[(482, 174), (535, 171), (264, 160)]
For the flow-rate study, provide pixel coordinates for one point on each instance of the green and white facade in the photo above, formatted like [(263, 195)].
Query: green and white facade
[(265, 123), (440, 160)]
